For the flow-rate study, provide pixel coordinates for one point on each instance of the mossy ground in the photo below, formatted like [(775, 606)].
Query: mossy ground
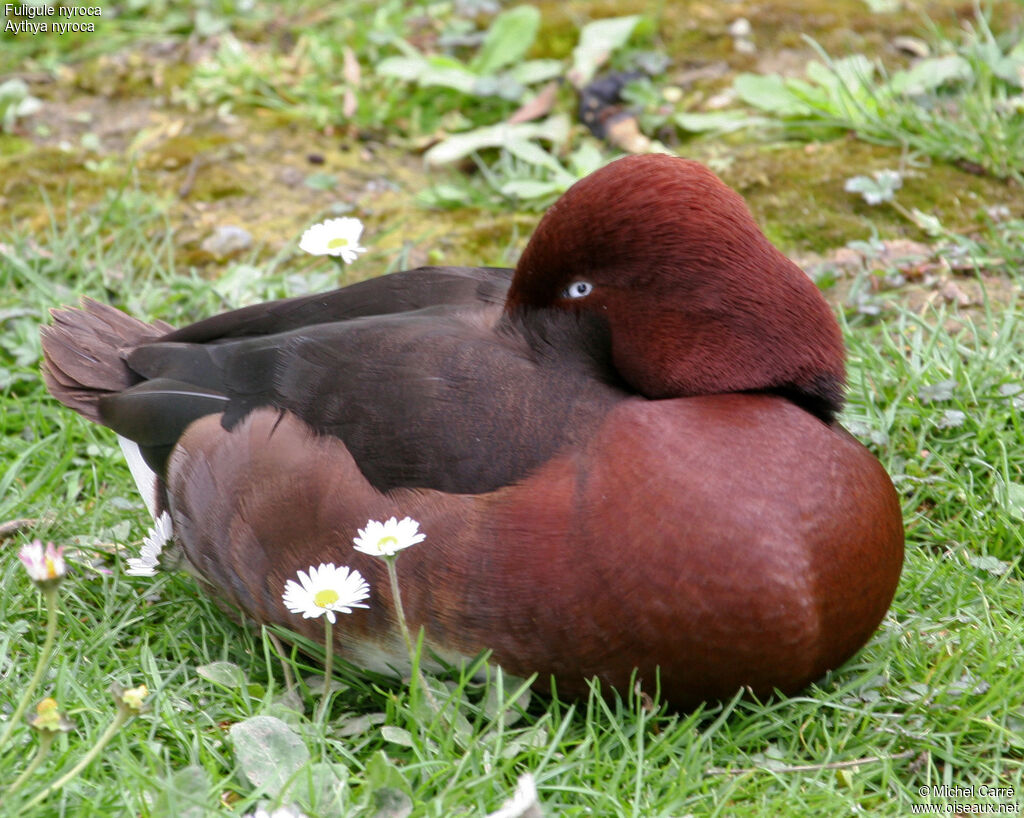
[(249, 167)]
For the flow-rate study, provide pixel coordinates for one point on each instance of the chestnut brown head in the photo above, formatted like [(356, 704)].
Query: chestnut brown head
[(698, 301)]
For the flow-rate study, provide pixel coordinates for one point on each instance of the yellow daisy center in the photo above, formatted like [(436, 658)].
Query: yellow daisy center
[(325, 598), (384, 543), (337, 242), (51, 567)]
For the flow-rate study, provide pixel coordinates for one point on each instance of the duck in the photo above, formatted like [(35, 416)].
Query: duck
[(624, 453)]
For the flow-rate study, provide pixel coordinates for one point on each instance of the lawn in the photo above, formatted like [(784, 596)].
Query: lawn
[(168, 161)]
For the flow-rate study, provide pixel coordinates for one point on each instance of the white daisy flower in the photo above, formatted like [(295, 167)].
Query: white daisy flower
[(334, 237), (43, 565), (387, 539), (287, 811), (523, 803), (147, 562), (326, 590)]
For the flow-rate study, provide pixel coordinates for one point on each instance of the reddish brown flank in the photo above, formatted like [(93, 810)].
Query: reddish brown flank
[(629, 465)]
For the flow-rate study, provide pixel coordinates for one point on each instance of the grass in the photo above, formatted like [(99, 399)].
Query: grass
[(935, 390), (965, 106)]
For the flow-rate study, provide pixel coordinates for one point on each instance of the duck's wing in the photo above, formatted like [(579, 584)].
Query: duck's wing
[(442, 397), (398, 292)]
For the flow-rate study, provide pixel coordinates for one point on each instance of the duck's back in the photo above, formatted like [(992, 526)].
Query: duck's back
[(428, 386)]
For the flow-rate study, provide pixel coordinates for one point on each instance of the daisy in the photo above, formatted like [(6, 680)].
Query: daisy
[(334, 237), (43, 566), (287, 811), (326, 590), (48, 717), (387, 539), (523, 803), (159, 535)]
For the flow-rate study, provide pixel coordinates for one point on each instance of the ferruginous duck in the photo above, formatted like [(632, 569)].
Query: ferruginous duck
[(624, 454)]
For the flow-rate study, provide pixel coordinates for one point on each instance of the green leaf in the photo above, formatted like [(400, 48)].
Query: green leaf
[(586, 159), (770, 93), (534, 71), (553, 129), (927, 75), (321, 181), (853, 73), (184, 794), (226, 674), (504, 707), (404, 68), (993, 565), (15, 102), (1015, 500), (534, 154), (507, 40), (442, 195), (380, 773), (397, 735), (928, 222), (597, 41), (268, 751), (878, 188), (938, 391), (320, 787), (951, 419), (716, 121), (437, 71), (391, 803), (527, 189)]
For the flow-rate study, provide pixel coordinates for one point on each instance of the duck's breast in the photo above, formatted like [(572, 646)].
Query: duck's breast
[(729, 540)]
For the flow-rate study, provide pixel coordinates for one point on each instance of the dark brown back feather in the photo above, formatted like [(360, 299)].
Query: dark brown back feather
[(428, 386)]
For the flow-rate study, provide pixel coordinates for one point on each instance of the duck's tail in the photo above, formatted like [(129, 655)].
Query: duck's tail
[(83, 354), (83, 360)]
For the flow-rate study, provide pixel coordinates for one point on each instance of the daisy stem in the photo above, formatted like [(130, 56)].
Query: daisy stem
[(123, 714), (50, 594), (45, 740), (289, 680), (396, 596), (325, 694)]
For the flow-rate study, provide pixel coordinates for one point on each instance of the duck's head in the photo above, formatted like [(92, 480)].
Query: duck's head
[(697, 300)]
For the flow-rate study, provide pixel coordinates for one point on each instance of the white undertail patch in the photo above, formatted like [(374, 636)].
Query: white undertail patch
[(145, 477), (147, 563)]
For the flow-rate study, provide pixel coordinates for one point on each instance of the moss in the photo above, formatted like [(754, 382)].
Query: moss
[(252, 171), (796, 191), (696, 31), (181, 150), (52, 173), (11, 145)]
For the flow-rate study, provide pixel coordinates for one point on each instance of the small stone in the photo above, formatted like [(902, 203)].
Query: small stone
[(914, 46), (740, 28), (672, 94), (227, 240)]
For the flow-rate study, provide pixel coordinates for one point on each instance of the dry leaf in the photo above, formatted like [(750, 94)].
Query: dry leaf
[(351, 71), (952, 293), (538, 106), (625, 133)]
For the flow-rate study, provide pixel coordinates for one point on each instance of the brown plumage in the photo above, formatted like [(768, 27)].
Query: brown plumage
[(630, 463)]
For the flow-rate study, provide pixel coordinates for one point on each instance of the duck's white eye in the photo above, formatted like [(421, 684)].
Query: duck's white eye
[(578, 289)]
